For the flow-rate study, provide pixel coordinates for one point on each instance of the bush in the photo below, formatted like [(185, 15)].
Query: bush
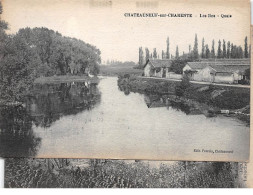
[(184, 85)]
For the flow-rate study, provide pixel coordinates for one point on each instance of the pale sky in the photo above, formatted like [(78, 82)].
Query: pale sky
[(119, 37)]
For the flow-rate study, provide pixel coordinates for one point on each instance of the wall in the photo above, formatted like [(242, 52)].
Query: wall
[(224, 79), (148, 72), (172, 75), (187, 67), (159, 74), (205, 75), (237, 77)]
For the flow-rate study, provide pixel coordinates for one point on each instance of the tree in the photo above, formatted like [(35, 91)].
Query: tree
[(1, 8), (228, 50), (18, 69), (163, 55), (31, 53), (177, 52), (250, 51), (140, 57), (168, 48), (177, 66), (190, 48), (219, 52), (246, 52), (184, 85), (224, 51), (203, 48), (232, 51), (147, 54), (208, 55), (154, 53), (240, 52), (195, 48), (213, 50)]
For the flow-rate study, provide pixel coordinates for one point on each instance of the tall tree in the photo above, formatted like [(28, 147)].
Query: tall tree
[(168, 48), (140, 56), (190, 49), (228, 50), (246, 52), (147, 54), (177, 53), (163, 55), (1, 8), (208, 55), (154, 53), (203, 48), (232, 51), (219, 52), (250, 51), (213, 50), (195, 48), (224, 51), (240, 52)]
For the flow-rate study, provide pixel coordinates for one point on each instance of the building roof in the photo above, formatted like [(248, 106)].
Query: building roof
[(158, 63), (241, 61), (196, 65), (230, 68), (222, 65)]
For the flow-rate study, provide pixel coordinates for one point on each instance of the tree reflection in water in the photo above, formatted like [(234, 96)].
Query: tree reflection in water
[(51, 101), (154, 101), (47, 104), (16, 135)]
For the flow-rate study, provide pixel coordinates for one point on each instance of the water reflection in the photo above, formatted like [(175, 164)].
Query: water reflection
[(155, 101), (16, 135), (52, 101), (120, 126), (47, 104)]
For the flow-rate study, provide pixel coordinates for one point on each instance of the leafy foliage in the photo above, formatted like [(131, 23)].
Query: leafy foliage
[(32, 53), (185, 84), (177, 65)]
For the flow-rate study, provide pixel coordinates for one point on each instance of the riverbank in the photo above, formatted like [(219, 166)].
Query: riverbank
[(213, 98), (51, 80), (65, 79), (119, 70)]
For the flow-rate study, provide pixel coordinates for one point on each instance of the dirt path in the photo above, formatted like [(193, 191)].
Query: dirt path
[(198, 82)]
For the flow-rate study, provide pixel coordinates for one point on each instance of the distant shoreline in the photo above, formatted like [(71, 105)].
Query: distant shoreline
[(66, 79)]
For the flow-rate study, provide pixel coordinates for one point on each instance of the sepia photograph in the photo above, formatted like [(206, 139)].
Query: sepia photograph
[(143, 80)]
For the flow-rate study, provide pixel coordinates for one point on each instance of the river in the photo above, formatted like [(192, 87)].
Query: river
[(77, 120)]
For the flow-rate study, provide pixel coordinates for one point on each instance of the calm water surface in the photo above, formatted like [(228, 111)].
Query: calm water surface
[(71, 120)]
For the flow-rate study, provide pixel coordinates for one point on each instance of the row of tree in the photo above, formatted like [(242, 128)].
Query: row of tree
[(225, 50), (36, 52)]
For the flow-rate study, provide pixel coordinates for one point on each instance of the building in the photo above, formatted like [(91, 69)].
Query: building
[(218, 71), (157, 68)]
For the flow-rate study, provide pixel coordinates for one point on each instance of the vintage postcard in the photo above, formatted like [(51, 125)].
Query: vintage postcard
[(146, 80)]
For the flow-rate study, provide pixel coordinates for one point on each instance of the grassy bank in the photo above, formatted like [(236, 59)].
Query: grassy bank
[(119, 70), (136, 84), (215, 97)]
